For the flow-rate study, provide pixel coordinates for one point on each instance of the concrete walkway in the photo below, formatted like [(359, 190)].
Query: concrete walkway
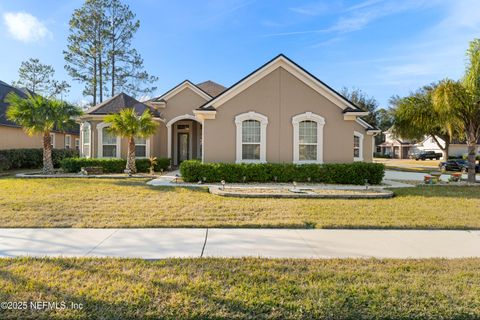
[(272, 243)]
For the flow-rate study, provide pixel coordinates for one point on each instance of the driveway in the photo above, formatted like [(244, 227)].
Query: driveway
[(271, 243)]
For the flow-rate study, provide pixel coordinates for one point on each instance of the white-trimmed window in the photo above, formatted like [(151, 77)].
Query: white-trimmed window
[(357, 146), (108, 143), (52, 140), (141, 147), (85, 135), (308, 138), (77, 144), (251, 137), (68, 141)]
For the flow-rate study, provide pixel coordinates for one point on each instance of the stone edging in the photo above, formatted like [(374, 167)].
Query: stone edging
[(380, 194), (66, 175)]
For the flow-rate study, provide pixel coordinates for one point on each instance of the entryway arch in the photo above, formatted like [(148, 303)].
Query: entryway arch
[(184, 138)]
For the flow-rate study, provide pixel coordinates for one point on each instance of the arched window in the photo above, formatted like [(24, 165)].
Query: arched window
[(108, 144), (85, 133), (251, 137), (307, 141), (308, 138), (251, 140)]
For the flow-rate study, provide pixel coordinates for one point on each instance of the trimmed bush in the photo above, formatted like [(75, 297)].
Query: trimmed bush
[(31, 158), (74, 165), (335, 173), (381, 155)]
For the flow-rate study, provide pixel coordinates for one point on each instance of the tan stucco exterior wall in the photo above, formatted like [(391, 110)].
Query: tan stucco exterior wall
[(182, 103), (16, 138), (280, 96)]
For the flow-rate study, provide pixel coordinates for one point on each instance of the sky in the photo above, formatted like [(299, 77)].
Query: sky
[(383, 47)]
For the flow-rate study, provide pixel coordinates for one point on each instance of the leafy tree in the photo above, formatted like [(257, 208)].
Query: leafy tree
[(364, 102), (460, 100), (415, 117), (129, 124), (39, 115), (385, 118), (38, 78)]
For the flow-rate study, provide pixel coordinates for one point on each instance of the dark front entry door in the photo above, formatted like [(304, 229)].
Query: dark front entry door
[(182, 147)]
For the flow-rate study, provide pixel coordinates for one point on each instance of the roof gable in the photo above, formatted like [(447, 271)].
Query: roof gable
[(291, 67), (180, 87)]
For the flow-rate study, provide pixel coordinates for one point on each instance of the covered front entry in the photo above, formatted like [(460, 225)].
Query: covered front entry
[(185, 140)]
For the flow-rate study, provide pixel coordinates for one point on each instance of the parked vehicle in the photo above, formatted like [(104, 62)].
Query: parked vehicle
[(457, 165), (424, 155)]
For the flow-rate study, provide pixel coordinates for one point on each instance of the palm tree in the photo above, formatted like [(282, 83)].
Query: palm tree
[(39, 115), (460, 100), (416, 117), (129, 124)]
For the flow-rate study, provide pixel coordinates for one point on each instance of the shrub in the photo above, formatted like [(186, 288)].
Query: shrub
[(31, 158), (381, 155), (338, 173), (74, 165)]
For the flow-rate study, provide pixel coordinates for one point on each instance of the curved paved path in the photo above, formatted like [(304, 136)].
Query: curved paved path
[(271, 243)]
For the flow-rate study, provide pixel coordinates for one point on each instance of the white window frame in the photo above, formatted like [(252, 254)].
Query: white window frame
[(82, 138), (118, 143), (307, 116), (70, 141), (263, 136), (147, 149), (52, 140), (360, 136), (77, 144)]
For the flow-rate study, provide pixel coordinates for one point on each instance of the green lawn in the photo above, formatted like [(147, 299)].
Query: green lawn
[(244, 288), (131, 203)]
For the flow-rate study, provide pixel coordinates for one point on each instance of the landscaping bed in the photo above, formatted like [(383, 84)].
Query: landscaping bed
[(244, 288), (120, 203), (312, 193)]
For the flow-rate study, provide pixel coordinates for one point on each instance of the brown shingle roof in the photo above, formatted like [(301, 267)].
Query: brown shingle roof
[(119, 102), (211, 88)]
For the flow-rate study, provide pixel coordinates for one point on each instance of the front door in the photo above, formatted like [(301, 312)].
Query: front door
[(182, 147)]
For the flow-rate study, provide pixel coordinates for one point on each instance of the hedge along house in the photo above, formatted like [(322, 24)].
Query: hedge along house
[(280, 113), (12, 136)]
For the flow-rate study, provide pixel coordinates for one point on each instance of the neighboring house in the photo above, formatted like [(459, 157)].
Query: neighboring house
[(395, 147), (12, 135), (278, 113), (399, 148)]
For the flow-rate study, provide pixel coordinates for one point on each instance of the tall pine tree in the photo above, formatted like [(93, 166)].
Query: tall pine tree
[(100, 52)]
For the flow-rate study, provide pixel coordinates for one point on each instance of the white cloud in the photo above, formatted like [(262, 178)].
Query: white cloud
[(25, 27)]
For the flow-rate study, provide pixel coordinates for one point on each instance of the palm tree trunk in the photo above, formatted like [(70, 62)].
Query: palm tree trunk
[(471, 161), (47, 153), (131, 156)]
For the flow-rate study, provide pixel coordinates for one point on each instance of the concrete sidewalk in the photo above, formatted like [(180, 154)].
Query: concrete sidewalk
[(272, 243)]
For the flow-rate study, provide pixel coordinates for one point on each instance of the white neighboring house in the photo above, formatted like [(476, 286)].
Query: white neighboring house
[(399, 148), (429, 144)]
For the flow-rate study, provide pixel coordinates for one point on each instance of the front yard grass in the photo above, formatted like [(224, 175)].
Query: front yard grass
[(244, 288), (109, 203)]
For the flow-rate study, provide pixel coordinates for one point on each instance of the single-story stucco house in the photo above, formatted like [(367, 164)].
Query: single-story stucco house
[(12, 136), (279, 113)]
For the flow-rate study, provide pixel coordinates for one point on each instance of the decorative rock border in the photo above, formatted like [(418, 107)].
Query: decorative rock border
[(306, 194), (39, 175)]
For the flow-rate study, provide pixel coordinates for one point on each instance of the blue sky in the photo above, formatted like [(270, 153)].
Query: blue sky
[(382, 47)]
